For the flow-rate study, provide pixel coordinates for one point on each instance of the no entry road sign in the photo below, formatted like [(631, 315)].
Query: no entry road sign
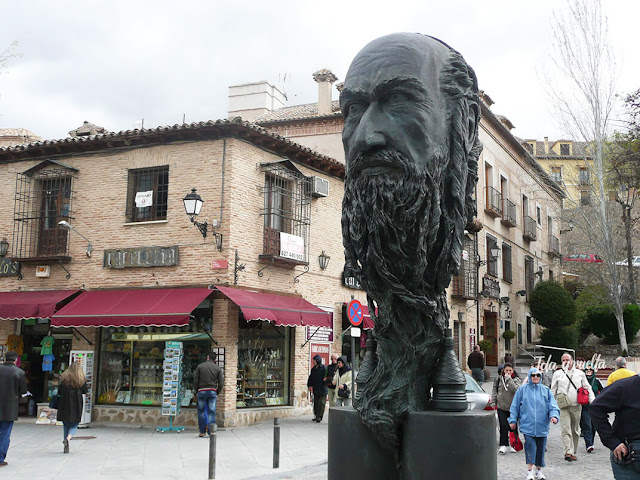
[(354, 313)]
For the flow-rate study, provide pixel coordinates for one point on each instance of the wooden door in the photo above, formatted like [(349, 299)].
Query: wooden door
[(491, 333)]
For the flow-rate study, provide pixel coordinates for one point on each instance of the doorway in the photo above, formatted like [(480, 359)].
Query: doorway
[(529, 328), (491, 334)]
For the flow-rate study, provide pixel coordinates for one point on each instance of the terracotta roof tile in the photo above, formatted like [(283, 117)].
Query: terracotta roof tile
[(297, 112)]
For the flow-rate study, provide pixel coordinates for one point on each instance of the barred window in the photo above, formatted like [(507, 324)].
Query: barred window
[(148, 190), (507, 272)]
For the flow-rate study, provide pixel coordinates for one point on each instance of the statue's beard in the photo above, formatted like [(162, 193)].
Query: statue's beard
[(393, 220)]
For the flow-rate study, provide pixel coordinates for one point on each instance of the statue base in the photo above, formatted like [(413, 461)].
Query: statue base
[(437, 446)]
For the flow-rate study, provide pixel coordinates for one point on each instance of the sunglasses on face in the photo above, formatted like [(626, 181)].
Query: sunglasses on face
[(535, 375)]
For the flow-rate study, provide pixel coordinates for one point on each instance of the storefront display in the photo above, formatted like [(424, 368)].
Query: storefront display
[(263, 365), (132, 364), (172, 387)]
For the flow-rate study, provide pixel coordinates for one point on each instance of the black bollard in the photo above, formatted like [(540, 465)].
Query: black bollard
[(213, 433), (276, 443)]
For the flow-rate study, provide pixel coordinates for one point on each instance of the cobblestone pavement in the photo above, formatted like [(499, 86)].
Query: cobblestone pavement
[(589, 466)]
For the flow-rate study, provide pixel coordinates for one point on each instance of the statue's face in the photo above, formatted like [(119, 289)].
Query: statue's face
[(392, 100)]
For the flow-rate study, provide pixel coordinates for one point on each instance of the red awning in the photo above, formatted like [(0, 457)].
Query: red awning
[(281, 310), (41, 304), (128, 308)]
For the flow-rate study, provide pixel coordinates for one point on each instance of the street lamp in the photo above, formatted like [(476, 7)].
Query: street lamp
[(4, 247), (323, 260), (68, 226), (192, 205)]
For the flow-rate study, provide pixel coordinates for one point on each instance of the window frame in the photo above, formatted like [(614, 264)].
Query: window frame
[(158, 182)]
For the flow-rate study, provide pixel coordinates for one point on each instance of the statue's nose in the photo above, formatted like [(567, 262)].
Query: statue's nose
[(370, 134)]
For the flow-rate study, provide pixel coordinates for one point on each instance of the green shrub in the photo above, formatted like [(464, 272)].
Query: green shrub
[(552, 305), (509, 334), (561, 337), (602, 322), (589, 297), (486, 345)]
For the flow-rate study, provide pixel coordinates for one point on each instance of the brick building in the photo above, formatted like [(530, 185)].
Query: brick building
[(134, 271)]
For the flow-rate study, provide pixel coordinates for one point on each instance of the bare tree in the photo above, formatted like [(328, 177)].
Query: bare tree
[(7, 54), (583, 91)]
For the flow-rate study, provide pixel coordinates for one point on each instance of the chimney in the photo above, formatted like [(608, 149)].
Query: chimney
[(250, 100), (325, 79), (546, 145)]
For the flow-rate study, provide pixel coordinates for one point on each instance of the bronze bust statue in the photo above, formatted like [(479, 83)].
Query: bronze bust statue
[(411, 114)]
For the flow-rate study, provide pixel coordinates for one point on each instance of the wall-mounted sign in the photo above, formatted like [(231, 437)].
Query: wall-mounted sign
[(472, 337), (351, 282), (291, 246), (141, 257), (144, 199), (322, 349), (219, 264), (9, 268), (492, 286)]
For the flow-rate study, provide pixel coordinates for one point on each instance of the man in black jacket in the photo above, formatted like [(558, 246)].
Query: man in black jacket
[(208, 381), (476, 364), (318, 388), (622, 398), (13, 384)]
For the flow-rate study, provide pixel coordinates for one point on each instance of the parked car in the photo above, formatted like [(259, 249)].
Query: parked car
[(583, 257), (635, 262), (477, 398)]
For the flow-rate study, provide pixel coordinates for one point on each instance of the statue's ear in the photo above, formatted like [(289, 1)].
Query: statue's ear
[(473, 116)]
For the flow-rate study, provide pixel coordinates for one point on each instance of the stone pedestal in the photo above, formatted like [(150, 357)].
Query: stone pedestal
[(437, 446)]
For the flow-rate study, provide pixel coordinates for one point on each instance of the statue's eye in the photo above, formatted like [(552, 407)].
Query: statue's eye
[(396, 97), (356, 108)]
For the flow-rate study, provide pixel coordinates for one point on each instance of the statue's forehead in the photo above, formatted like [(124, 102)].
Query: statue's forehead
[(385, 61)]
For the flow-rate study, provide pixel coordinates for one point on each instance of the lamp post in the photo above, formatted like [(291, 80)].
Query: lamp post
[(68, 226), (192, 205)]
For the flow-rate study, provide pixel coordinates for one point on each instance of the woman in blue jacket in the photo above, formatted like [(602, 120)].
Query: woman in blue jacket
[(534, 406)]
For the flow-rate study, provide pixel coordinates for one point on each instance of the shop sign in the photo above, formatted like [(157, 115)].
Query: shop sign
[(291, 246), (141, 257), (219, 264), (351, 282), (320, 334), (492, 286), (322, 349), (472, 337), (9, 268)]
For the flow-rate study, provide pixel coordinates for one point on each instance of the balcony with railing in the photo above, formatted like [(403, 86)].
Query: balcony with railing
[(529, 229), (554, 246), (508, 213), (493, 205)]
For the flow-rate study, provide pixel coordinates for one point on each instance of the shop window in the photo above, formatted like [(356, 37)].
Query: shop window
[(263, 364), (148, 190), (131, 363)]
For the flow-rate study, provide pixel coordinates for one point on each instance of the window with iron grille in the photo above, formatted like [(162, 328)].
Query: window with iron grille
[(141, 180), (287, 208), (465, 284), (507, 269), (42, 200)]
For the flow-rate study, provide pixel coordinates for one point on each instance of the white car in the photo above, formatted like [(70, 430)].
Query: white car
[(635, 262)]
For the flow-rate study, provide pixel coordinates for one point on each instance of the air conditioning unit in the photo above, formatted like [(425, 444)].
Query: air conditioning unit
[(319, 187)]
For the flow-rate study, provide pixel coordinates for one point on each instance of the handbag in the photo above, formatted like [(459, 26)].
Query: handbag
[(344, 392), (583, 393), (55, 400), (515, 442)]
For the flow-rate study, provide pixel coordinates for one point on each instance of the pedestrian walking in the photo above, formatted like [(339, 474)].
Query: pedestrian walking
[(508, 358), (318, 388), (475, 361), (504, 389), (533, 406), (564, 386), (72, 387), (586, 425), (342, 379), (623, 439), (208, 381), (331, 371), (13, 384), (620, 372)]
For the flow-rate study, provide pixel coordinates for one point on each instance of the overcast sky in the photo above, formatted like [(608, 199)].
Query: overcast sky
[(115, 62)]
